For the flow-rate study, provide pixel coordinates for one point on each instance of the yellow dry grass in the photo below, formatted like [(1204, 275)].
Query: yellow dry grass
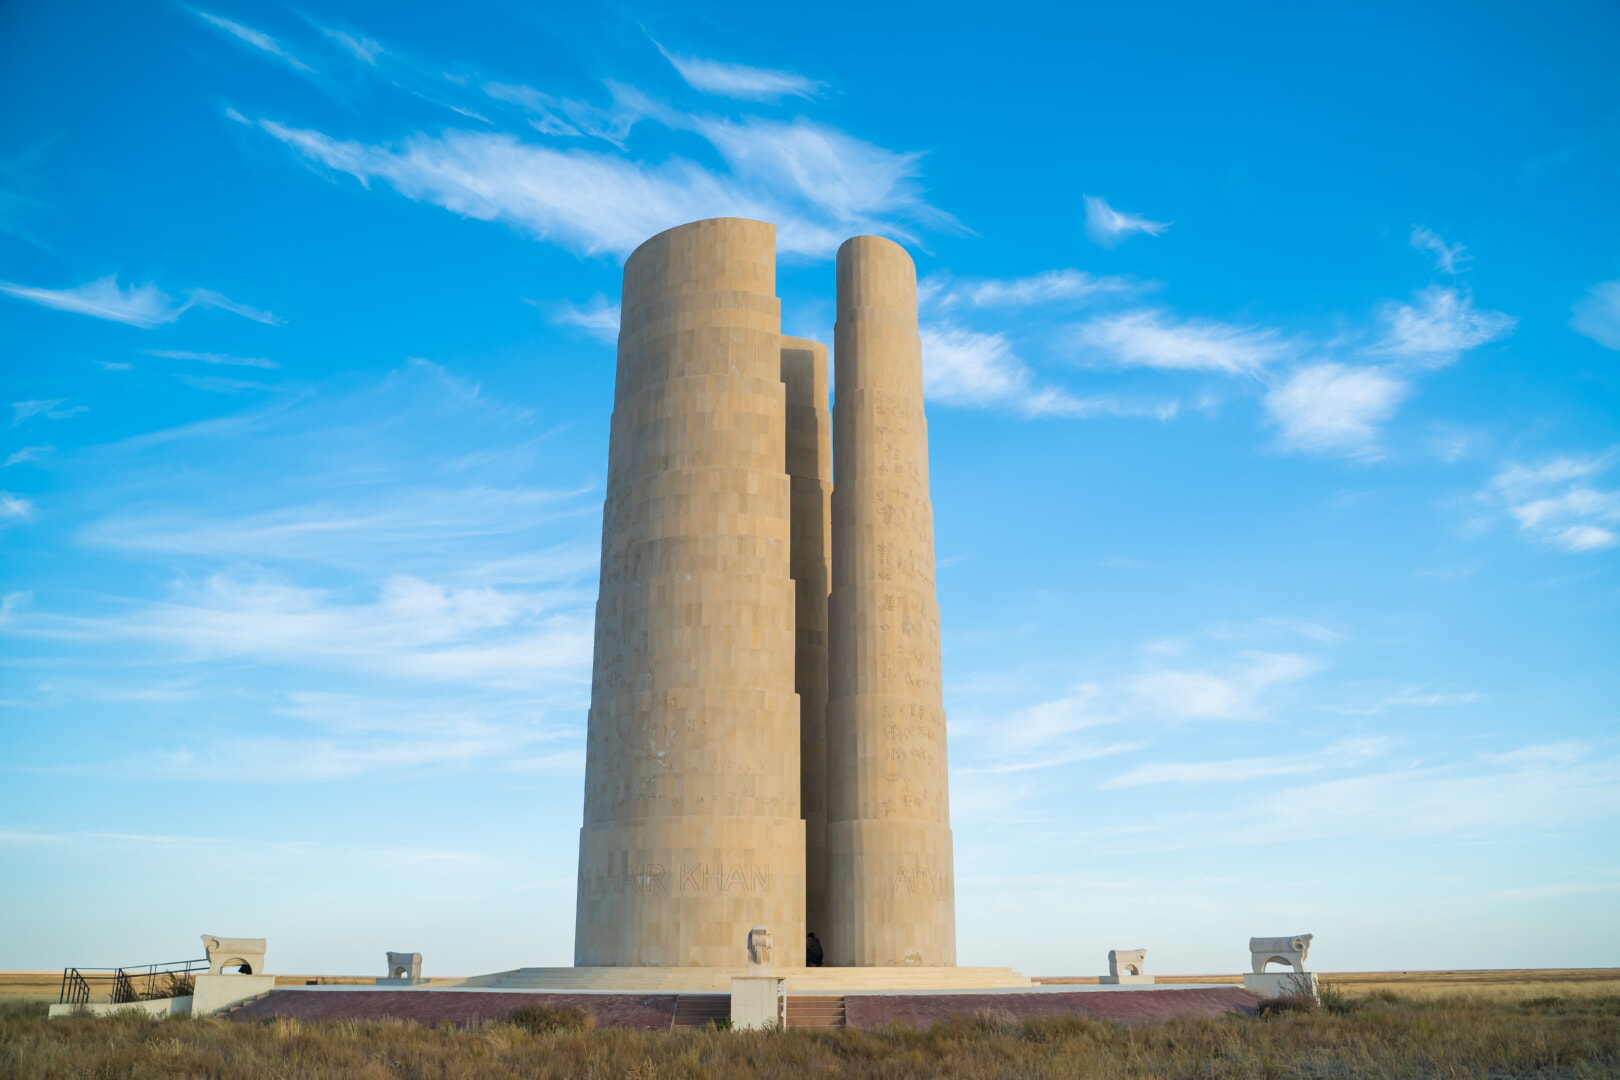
[(1443, 1025)]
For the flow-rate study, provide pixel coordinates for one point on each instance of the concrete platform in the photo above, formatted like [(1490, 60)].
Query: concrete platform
[(675, 980)]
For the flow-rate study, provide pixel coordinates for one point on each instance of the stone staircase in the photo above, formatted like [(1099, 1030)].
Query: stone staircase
[(815, 1011), (694, 1012), (226, 1012)]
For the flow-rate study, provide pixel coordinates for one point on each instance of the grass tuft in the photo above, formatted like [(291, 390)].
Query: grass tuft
[(546, 1020)]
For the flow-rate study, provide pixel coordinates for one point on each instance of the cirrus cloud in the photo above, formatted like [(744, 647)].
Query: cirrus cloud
[(1334, 407)]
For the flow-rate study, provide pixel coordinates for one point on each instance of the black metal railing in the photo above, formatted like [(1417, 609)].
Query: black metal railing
[(81, 986)]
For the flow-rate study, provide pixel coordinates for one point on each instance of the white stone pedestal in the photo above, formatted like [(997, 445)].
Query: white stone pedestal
[(1282, 984), (1125, 980), (758, 1002), (212, 993)]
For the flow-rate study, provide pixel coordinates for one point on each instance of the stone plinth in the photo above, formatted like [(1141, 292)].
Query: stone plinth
[(692, 829), (211, 993), (1282, 983), (758, 1002), (889, 859)]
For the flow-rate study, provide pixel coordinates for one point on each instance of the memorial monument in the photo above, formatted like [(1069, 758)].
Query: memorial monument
[(766, 738)]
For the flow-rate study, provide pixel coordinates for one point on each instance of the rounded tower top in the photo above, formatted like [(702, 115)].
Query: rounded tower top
[(712, 255), (876, 272)]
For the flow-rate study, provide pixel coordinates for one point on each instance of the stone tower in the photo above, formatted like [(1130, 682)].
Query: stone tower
[(809, 466), (692, 829), (889, 860)]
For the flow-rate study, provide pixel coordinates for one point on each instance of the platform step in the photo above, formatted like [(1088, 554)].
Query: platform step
[(697, 1011), (243, 1003), (815, 1010), (693, 980)]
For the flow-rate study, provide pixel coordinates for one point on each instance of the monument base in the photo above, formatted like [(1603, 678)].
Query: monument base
[(759, 1003), (1273, 984), (174, 1006), (211, 993), (717, 980), (1125, 980)]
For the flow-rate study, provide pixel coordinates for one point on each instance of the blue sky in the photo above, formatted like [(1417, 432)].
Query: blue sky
[(1273, 363)]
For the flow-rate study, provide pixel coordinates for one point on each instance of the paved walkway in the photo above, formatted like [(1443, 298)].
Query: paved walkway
[(647, 1012), (656, 1012)]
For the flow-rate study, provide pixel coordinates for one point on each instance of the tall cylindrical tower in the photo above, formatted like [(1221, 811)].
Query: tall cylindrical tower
[(692, 831), (888, 815), (809, 466)]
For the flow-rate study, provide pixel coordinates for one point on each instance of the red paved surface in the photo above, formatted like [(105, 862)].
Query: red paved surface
[(1123, 1006), (653, 1012), (648, 1012)]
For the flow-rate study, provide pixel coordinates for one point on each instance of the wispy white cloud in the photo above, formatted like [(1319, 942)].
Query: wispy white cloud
[(1050, 287), (739, 80), (361, 48), (1166, 690), (329, 736), (1559, 889), (208, 298), (599, 318), (145, 306), (50, 410), (140, 305), (1440, 324), (415, 629), (846, 178), (1482, 796), (1448, 258), (14, 509), (551, 115), (1335, 407), (1073, 753), (14, 602), (341, 531), (971, 369), (1342, 754), (1232, 692), (1153, 338), (1556, 503), (817, 185), (1567, 752), (256, 39), (1432, 699), (114, 365), (340, 599), (219, 384), (26, 454), (213, 358), (1597, 315), (19, 178), (1108, 227)]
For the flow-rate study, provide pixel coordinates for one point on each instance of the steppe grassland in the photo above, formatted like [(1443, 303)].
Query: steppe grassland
[(1549, 1027)]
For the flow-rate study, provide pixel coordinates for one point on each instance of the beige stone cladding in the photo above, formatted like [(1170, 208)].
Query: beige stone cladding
[(809, 466), (692, 830), (888, 817)]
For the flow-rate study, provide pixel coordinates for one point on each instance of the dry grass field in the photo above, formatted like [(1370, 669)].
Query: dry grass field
[(1419, 1024)]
